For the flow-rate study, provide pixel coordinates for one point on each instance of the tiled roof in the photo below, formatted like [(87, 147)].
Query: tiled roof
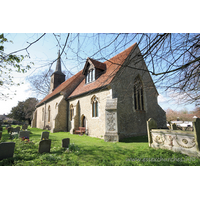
[(61, 87), (112, 66)]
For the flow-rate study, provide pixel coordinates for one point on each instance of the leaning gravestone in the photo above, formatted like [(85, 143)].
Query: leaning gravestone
[(65, 142), (45, 135), (0, 134), (44, 146), (151, 124), (24, 134), (6, 150)]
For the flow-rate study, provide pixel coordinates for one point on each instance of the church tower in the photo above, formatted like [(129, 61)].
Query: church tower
[(57, 77)]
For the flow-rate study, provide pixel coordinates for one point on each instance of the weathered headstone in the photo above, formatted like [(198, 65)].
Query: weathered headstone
[(45, 135), (151, 124), (1, 128), (65, 142), (0, 134), (196, 125), (24, 127), (173, 126), (111, 134), (44, 146), (24, 134), (6, 150)]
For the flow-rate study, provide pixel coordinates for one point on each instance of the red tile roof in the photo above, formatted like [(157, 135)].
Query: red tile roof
[(112, 66)]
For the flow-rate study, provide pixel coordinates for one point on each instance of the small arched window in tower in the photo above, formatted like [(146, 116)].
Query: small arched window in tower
[(42, 114), (71, 112), (49, 114), (138, 94), (95, 106)]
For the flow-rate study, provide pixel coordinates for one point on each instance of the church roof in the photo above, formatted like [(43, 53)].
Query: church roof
[(110, 66), (61, 87)]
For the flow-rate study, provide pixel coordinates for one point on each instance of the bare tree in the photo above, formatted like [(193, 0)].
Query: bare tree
[(172, 59)]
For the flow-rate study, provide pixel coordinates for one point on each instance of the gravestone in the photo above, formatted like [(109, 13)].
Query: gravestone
[(24, 127), (45, 135), (17, 129), (151, 124), (1, 128), (0, 134), (65, 142), (111, 134), (6, 150), (44, 146), (24, 134), (173, 126)]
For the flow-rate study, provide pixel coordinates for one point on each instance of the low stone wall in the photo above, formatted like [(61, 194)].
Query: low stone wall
[(186, 142)]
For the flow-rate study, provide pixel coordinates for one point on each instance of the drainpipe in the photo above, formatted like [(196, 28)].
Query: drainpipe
[(44, 114), (67, 113)]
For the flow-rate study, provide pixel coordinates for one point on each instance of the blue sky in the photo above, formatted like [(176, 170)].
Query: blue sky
[(44, 51)]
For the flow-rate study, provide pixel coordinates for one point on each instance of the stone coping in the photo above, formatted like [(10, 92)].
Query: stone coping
[(177, 132)]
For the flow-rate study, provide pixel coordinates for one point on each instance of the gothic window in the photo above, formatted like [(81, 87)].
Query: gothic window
[(138, 94), (42, 114), (71, 112), (49, 113), (95, 106)]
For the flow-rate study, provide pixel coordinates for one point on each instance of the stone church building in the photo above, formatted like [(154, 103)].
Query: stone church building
[(112, 100)]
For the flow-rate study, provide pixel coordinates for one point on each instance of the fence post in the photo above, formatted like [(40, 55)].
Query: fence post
[(151, 123), (196, 124)]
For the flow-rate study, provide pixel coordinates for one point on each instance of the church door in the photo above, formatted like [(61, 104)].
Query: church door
[(83, 124)]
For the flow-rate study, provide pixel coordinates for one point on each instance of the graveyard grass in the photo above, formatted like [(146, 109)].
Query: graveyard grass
[(88, 151)]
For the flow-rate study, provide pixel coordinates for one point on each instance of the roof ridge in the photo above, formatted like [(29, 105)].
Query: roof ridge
[(131, 47)]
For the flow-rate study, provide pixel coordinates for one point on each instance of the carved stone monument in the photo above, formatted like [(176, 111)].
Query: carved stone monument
[(111, 134)]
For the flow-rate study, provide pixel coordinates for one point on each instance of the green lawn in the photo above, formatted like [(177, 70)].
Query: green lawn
[(88, 151)]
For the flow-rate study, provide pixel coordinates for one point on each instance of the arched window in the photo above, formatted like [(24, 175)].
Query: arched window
[(71, 112), (56, 106), (49, 114), (42, 114), (95, 106), (138, 94)]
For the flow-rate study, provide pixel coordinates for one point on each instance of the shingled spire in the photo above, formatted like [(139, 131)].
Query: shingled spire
[(57, 77)]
